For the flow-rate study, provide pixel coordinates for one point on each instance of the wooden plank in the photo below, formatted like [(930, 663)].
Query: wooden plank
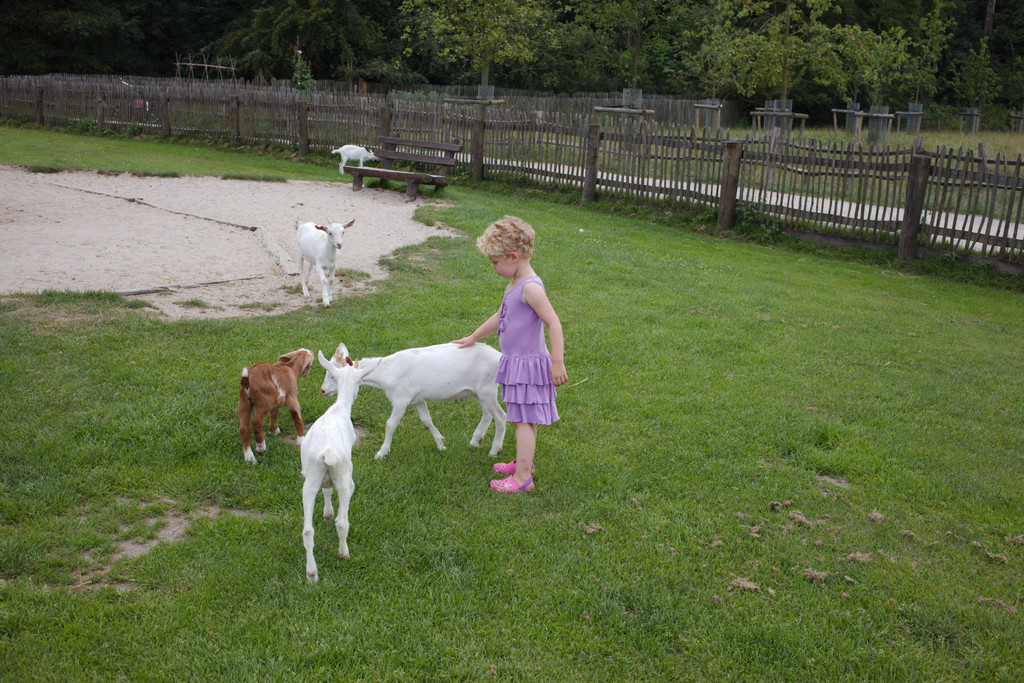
[(417, 158), (441, 146), (401, 176)]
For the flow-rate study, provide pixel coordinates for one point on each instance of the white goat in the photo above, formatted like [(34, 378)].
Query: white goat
[(443, 372), (361, 154), (319, 245), (327, 457)]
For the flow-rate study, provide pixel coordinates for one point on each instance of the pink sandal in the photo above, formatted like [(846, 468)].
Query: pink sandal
[(510, 485), (508, 467)]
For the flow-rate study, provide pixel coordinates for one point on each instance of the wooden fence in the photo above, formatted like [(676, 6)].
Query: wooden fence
[(846, 193)]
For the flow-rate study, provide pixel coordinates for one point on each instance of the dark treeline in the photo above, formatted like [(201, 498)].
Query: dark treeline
[(969, 51)]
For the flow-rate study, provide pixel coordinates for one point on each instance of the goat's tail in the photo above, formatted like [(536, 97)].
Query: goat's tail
[(329, 456), (244, 382)]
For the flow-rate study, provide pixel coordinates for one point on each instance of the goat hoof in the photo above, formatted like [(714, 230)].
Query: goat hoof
[(312, 578), (261, 447)]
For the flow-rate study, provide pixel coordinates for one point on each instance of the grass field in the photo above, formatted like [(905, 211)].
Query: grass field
[(773, 464)]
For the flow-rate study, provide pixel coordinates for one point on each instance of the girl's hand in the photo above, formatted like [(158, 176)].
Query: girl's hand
[(558, 374), (464, 342)]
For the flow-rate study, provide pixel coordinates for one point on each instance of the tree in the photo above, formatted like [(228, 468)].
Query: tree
[(482, 34), (781, 41), (712, 38), (866, 62), (925, 51), (975, 80)]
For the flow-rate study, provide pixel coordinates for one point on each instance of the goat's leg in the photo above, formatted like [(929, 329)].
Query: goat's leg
[(257, 428), (293, 408), (341, 475), (314, 476), (397, 410), (274, 428), (492, 409), (481, 428), (328, 507), (244, 432), (325, 283), (303, 273), (421, 408)]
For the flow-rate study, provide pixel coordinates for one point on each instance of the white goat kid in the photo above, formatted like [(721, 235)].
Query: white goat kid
[(319, 245), (326, 456), (361, 154), (443, 372)]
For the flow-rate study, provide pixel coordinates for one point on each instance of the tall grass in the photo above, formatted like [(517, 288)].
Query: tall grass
[(772, 465)]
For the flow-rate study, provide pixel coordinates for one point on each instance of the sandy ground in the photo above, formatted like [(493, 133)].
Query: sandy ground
[(227, 243)]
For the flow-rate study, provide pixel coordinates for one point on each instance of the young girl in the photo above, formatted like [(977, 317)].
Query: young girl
[(527, 372)]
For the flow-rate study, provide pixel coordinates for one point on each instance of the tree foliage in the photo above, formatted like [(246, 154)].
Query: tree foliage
[(480, 33), (813, 51)]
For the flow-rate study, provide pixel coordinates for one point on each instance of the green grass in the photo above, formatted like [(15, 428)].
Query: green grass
[(44, 149), (709, 379)]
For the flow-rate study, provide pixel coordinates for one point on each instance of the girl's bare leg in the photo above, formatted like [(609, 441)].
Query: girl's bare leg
[(526, 446)]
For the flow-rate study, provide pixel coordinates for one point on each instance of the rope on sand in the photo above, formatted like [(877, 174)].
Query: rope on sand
[(172, 288)]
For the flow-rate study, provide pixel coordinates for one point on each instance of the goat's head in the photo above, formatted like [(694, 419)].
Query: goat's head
[(335, 231), (301, 359), (343, 375), (330, 385)]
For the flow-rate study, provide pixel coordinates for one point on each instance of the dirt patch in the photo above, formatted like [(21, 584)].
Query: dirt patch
[(172, 526), (191, 247)]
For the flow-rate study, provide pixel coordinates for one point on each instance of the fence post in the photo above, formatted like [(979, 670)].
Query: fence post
[(477, 149), (101, 107), (917, 182), (40, 117), (593, 147), (164, 112), (301, 118), (385, 121), (732, 152), (235, 119)]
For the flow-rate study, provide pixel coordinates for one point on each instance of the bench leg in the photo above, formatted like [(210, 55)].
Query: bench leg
[(410, 191), (357, 183)]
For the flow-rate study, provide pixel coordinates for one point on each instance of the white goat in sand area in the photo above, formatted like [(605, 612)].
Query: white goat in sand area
[(326, 456), (443, 372), (319, 245), (361, 154)]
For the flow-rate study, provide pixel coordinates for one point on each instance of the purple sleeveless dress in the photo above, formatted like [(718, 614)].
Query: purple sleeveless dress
[(524, 370)]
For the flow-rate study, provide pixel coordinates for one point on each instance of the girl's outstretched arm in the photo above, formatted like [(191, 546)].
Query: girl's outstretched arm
[(489, 327), (534, 295)]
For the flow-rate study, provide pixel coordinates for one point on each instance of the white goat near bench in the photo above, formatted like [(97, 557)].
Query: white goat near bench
[(443, 372), (319, 245), (327, 457)]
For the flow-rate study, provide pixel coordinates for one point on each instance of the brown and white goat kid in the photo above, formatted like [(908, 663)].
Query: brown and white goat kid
[(326, 456), (263, 390)]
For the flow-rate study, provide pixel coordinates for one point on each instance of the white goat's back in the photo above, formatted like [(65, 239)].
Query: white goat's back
[(437, 373)]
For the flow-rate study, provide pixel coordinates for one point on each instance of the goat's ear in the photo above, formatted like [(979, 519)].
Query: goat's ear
[(340, 353), (348, 361), (349, 224), (321, 227)]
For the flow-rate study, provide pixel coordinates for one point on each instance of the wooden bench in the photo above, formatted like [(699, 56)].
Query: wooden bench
[(429, 153)]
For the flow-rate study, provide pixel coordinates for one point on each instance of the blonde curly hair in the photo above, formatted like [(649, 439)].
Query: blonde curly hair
[(506, 235)]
